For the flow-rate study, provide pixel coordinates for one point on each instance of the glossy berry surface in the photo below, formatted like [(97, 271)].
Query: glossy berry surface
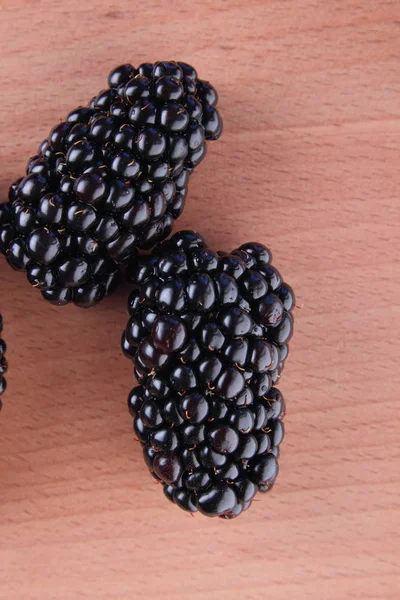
[(208, 337), (3, 362), (110, 179)]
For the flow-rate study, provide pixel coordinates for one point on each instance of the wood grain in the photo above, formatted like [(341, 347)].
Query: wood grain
[(309, 164)]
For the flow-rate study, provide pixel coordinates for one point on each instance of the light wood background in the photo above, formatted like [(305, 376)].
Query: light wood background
[(308, 164)]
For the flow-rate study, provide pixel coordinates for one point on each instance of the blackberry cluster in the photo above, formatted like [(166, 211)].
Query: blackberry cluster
[(208, 334), (109, 179), (3, 363)]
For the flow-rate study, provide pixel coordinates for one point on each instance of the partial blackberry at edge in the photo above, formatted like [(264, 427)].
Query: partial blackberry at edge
[(208, 335), (3, 363), (108, 180)]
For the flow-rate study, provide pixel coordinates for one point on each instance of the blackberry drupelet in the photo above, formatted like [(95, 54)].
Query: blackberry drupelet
[(109, 179), (208, 335), (3, 363)]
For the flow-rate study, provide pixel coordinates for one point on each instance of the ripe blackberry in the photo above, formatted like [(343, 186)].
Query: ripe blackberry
[(208, 337), (108, 180), (3, 363)]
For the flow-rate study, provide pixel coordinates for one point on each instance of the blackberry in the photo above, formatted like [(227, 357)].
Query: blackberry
[(109, 179), (3, 363), (208, 336)]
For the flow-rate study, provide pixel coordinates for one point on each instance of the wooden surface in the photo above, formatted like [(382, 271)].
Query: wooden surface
[(308, 164)]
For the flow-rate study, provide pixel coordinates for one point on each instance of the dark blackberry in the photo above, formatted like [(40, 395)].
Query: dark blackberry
[(109, 180), (208, 337), (3, 363)]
